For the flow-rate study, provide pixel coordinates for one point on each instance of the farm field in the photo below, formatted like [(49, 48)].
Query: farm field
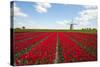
[(53, 47)]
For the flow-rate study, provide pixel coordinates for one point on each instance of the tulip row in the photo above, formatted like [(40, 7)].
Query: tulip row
[(18, 46), (84, 41), (73, 52), (25, 36), (43, 53)]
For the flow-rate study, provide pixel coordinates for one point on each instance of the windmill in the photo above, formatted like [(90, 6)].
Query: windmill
[(72, 25)]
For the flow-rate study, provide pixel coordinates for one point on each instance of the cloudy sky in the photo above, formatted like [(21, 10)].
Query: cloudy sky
[(54, 16)]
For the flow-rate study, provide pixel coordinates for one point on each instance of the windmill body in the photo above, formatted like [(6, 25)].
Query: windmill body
[(72, 25)]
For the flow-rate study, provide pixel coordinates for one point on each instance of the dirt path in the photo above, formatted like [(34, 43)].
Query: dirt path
[(56, 57)]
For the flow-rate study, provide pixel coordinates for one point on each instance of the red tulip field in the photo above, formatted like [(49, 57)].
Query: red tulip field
[(53, 47), (52, 33)]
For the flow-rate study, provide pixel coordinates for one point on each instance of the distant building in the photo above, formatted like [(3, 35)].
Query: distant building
[(23, 27)]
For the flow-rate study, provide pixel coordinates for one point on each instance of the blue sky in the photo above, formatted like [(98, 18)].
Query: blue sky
[(53, 16)]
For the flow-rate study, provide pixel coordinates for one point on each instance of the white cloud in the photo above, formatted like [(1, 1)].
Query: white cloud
[(42, 7), (89, 14), (90, 7), (60, 23), (64, 22), (18, 12), (86, 16)]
